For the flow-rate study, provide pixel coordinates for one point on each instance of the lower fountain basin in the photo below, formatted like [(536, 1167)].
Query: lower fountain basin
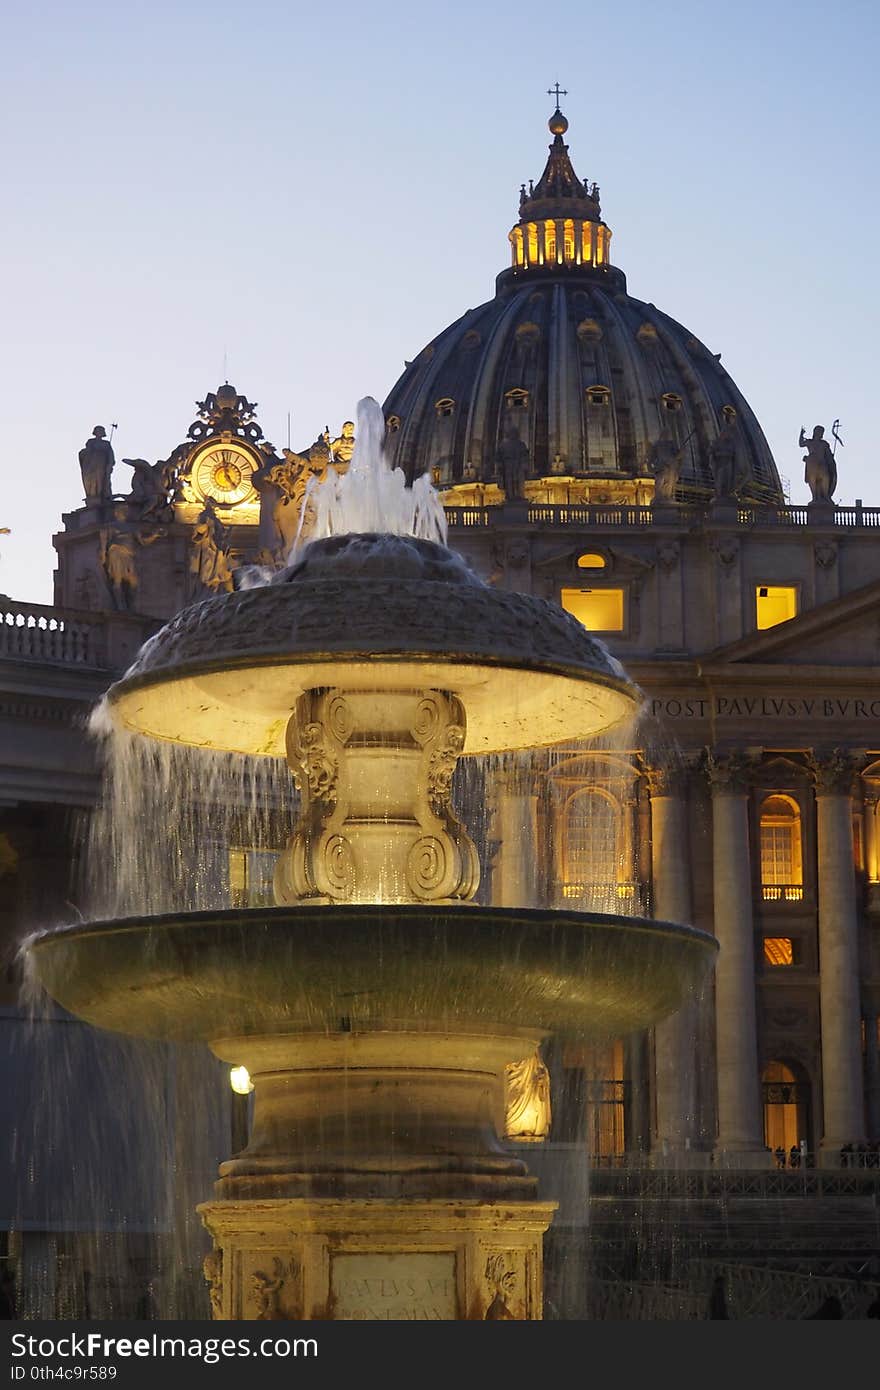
[(199, 976)]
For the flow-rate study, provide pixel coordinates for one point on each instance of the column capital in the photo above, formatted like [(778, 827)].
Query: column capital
[(669, 778), (729, 774), (832, 771)]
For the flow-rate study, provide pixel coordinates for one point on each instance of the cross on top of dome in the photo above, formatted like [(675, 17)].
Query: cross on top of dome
[(559, 192)]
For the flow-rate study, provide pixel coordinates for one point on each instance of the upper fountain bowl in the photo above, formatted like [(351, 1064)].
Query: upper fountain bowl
[(374, 613)]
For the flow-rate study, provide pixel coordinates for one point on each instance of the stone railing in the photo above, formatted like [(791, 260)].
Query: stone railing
[(32, 632), (845, 518)]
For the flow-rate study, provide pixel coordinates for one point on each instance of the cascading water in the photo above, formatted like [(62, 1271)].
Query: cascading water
[(370, 496), (381, 1004)]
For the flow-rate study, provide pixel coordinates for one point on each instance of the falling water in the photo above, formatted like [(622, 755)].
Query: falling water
[(371, 496)]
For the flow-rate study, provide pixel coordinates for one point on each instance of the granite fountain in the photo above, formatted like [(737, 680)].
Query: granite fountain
[(380, 1010)]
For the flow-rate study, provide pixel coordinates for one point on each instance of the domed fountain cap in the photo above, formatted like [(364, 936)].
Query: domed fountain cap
[(373, 612)]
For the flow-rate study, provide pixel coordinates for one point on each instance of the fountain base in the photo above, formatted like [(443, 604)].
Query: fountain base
[(379, 1114), (344, 1260)]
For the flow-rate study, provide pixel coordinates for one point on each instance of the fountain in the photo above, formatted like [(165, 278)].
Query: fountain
[(379, 1009)]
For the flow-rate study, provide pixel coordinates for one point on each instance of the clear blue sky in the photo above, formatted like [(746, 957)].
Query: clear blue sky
[(309, 193)]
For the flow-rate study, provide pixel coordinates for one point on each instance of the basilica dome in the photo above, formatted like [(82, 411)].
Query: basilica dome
[(564, 387)]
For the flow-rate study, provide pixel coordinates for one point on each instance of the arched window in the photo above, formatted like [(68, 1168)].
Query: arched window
[(592, 850), (599, 395), (590, 560), (445, 406), (782, 873), (517, 398)]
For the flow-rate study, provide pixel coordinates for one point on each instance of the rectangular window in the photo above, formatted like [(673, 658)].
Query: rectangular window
[(780, 950), (600, 610), (775, 603), (250, 877)]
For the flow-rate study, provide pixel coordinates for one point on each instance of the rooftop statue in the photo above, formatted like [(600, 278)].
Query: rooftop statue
[(209, 561), (117, 555), (96, 462), (664, 462), (820, 468), (513, 459), (341, 449), (724, 458), (151, 487)]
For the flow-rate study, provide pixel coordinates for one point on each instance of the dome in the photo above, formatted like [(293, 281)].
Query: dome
[(568, 373)]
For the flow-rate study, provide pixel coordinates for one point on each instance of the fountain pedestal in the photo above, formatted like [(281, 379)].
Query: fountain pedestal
[(344, 1259), (375, 1184)]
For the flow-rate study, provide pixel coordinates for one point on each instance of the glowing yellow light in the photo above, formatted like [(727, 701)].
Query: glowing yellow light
[(600, 610), (240, 1081), (778, 950), (775, 603), (591, 561)]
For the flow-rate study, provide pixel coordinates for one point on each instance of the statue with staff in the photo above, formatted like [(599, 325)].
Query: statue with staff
[(820, 467)]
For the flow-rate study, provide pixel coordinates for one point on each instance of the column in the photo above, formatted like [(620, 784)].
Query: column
[(740, 1139), (840, 1013), (872, 1075), (675, 1039), (515, 876)]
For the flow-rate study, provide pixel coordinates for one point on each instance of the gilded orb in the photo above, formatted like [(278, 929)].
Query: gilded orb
[(557, 123)]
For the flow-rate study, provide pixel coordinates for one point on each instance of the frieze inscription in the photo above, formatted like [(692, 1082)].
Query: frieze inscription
[(829, 707), (399, 1287)]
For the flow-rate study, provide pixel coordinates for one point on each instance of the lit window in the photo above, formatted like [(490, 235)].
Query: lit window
[(568, 240), (782, 874), (775, 603), (671, 401), (445, 406), (517, 399), (591, 561), (251, 873), (779, 950), (600, 610), (599, 395)]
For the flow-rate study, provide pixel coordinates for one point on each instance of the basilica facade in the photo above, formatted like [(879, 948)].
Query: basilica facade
[(591, 450)]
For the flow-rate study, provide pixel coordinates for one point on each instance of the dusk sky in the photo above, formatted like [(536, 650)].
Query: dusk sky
[(300, 197)]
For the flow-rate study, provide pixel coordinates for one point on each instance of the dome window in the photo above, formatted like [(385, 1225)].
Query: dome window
[(599, 395), (392, 424), (471, 340), (671, 401), (528, 332), (445, 406), (647, 333), (591, 561), (517, 399), (588, 330)]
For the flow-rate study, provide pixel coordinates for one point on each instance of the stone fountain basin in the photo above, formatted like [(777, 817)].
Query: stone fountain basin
[(202, 975)]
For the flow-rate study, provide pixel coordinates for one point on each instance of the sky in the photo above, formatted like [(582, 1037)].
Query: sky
[(299, 197)]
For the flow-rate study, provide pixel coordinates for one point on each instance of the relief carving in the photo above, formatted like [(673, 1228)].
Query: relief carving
[(212, 1268), (268, 1288), (501, 1279)]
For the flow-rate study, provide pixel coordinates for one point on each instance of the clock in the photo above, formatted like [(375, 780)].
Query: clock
[(224, 472)]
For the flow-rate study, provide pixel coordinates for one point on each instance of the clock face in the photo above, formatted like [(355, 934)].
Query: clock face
[(223, 471)]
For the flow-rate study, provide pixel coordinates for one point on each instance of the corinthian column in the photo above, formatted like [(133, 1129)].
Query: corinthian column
[(842, 1085), (675, 1039), (740, 1141)]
